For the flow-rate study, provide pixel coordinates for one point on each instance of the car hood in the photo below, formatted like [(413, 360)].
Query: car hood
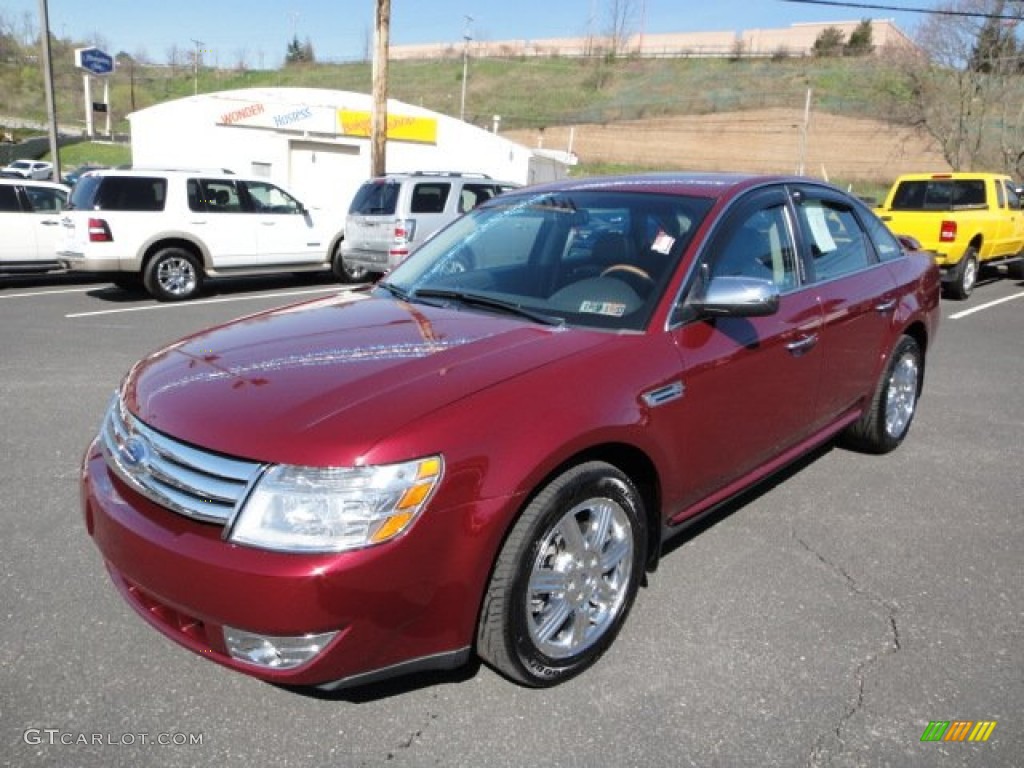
[(321, 383)]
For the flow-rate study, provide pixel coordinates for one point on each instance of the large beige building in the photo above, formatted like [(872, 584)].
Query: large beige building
[(795, 40)]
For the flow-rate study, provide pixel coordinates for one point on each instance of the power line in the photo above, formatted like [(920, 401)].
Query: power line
[(901, 9)]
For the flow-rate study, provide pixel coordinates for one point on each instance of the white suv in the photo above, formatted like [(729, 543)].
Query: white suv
[(168, 230), (391, 215), (30, 213)]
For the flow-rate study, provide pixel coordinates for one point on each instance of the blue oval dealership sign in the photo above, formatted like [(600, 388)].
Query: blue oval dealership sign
[(94, 60)]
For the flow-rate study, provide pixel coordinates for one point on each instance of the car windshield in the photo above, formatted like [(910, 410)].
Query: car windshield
[(589, 258)]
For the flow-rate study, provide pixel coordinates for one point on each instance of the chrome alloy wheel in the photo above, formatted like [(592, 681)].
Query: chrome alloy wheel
[(901, 394), (177, 276), (580, 578)]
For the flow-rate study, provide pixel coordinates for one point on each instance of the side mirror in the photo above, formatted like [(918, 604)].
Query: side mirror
[(728, 296)]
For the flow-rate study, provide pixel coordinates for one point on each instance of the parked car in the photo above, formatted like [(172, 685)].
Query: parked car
[(488, 459), (968, 220), (390, 215), (170, 230), (30, 213), (31, 169), (73, 175)]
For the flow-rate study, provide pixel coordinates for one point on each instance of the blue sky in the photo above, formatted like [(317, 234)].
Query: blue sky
[(340, 29)]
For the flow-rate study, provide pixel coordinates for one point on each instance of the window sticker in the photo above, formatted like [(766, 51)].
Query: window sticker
[(610, 308), (819, 228), (663, 243)]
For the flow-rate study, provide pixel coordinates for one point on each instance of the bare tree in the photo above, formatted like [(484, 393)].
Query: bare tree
[(960, 90), (621, 26)]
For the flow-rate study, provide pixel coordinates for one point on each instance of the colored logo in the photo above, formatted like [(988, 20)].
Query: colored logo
[(134, 453), (958, 730)]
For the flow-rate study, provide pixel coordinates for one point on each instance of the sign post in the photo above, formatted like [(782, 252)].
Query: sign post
[(93, 61)]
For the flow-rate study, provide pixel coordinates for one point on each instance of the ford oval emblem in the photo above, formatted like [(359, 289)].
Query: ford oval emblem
[(135, 453)]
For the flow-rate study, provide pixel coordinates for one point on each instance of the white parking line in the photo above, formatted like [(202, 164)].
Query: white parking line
[(46, 293), (185, 304), (989, 305)]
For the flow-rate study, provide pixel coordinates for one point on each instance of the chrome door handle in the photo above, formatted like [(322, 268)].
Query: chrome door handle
[(885, 307), (802, 345)]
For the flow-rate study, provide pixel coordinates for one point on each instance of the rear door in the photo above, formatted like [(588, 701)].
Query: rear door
[(46, 204), (217, 216), (857, 293), (751, 384), (18, 242)]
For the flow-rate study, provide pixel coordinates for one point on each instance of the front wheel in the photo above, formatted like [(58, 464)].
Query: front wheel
[(566, 577), (965, 276), (173, 274), (886, 421)]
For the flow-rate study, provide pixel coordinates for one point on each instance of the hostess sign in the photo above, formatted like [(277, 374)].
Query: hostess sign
[(326, 120), (94, 61)]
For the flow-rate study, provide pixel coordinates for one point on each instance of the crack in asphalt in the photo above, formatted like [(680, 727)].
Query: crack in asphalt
[(818, 756)]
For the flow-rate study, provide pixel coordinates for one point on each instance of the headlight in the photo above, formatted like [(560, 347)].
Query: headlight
[(312, 509)]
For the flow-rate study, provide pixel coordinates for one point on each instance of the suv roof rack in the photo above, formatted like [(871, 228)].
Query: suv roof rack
[(130, 167), (457, 174)]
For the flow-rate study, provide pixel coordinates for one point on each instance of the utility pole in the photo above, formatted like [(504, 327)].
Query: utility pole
[(466, 37), (195, 64), (51, 104), (379, 116)]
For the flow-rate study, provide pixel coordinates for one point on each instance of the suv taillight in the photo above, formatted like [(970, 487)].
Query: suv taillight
[(947, 232), (99, 232), (405, 230)]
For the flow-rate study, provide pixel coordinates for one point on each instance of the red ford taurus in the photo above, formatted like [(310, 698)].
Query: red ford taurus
[(485, 452)]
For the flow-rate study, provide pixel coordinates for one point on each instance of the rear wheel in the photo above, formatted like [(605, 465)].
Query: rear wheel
[(173, 274), (965, 275), (348, 273), (566, 577), (1015, 270), (887, 419)]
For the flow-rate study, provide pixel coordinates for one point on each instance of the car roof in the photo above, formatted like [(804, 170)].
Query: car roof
[(147, 172), (32, 183), (710, 185)]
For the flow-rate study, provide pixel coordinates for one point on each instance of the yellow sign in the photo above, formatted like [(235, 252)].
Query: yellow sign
[(400, 127)]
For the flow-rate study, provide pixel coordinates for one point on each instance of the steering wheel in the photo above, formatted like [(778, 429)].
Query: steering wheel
[(630, 269)]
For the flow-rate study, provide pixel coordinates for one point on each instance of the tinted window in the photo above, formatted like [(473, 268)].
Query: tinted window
[(46, 200), (836, 239), (376, 198), (84, 192), (131, 193), (213, 195), (8, 199), (429, 197), (762, 247), (939, 195), (473, 195), (886, 245)]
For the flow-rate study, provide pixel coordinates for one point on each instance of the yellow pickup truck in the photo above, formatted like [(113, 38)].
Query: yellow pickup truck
[(966, 219)]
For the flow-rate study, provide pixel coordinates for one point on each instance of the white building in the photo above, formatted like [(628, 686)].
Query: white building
[(316, 142)]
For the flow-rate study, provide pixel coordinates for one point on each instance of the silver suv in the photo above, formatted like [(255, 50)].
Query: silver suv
[(169, 230), (390, 215)]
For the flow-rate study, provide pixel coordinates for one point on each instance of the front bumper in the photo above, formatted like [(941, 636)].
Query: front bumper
[(408, 604)]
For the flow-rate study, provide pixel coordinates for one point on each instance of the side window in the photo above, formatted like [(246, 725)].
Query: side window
[(266, 198), (473, 195), (131, 193), (837, 242), (886, 245), (46, 200), (218, 195), (760, 246), (9, 199), (1012, 197), (429, 197)]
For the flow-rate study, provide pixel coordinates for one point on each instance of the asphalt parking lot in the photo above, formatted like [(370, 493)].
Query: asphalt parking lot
[(822, 621)]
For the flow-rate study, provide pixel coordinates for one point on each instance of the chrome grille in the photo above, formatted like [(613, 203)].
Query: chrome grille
[(193, 482)]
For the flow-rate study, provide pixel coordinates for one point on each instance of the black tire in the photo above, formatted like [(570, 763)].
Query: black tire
[(348, 273), (566, 577), (173, 274), (1015, 270), (882, 427), (965, 276)]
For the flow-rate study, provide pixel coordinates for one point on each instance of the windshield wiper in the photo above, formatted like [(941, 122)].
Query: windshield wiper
[(394, 290), (488, 302)]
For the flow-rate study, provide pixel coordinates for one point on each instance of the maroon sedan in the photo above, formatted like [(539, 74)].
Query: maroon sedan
[(485, 452)]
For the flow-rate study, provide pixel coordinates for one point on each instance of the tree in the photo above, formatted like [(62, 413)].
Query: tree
[(964, 91), (829, 42), (621, 23), (860, 42), (300, 53)]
